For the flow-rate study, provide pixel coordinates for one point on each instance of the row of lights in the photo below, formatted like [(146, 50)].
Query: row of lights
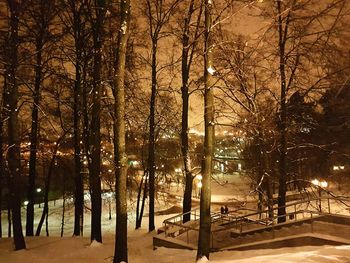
[(316, 182), (26, 202)]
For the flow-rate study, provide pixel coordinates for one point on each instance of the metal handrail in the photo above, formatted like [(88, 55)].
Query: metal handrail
[(248, 219)]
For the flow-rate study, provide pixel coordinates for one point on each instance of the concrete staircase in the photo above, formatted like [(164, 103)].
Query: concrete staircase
[(319, 230), (249, 232)]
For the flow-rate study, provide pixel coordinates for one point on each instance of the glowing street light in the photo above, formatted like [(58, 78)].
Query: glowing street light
[(315, 182), (38, 190), (178, 170), (320, 185), (26, 202), (323, 184)]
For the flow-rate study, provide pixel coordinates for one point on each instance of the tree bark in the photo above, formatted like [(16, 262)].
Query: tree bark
[(205, 199), (14, 152), (1, 176), (79, 186), (95, 133), (185, 71), (63, 206), (121, 158), (151, 140), (138, 215), (9, 221), (282, 33), (2, 170), (45, 212), (144, 196), (34, 136)]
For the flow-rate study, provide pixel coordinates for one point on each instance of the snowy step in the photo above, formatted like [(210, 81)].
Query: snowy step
[(307, 239)]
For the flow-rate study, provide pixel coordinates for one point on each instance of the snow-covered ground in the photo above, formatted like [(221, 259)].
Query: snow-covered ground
[(76, 249), (79, 250)]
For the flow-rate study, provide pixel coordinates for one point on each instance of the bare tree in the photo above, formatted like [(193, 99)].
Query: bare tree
[(158, 14), (2, 121), (243, 86), (94, 151), (74, 19), (188, 51), (121, 158), (45, 212), (40, 18), (205, 199), (11, 104), (301, 35)]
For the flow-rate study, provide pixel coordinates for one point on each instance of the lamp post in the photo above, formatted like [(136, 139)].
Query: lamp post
[(38, 190), (320, 185), (109, 196), (199, 183)]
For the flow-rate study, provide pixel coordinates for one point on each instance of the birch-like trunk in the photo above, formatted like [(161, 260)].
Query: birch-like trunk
[(121, 158), (204, 243)]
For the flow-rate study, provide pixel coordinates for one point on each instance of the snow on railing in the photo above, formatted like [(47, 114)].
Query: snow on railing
[(301, 210)]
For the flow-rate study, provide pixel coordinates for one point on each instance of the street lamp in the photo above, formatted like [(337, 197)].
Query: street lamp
[(38, 190), (109, 196), (199, 186), (320, 185)]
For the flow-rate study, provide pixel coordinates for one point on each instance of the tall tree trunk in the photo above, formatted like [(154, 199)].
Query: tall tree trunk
[(205, 199), (2, 170), (14, 152), (139, 191), (268, 185), (1, 177), (63, 206), (45, 212), (95, 133), (185, 71), (85, 118), (144, 196), (282, 33), (121, 158), (151, 166), (79, 187), (9, 221), (34, 138)]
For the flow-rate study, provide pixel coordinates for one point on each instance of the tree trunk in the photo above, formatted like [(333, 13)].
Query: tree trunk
[(2, 170), (121, 158), (138, 215), (79, 186), (151, 166), (34, 138), (283, 118), (268, 186), (14, 152), (45, 212), (205, 199), (144, 196), (9, 221), (185, 71), (63, 206), (95, 133)]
